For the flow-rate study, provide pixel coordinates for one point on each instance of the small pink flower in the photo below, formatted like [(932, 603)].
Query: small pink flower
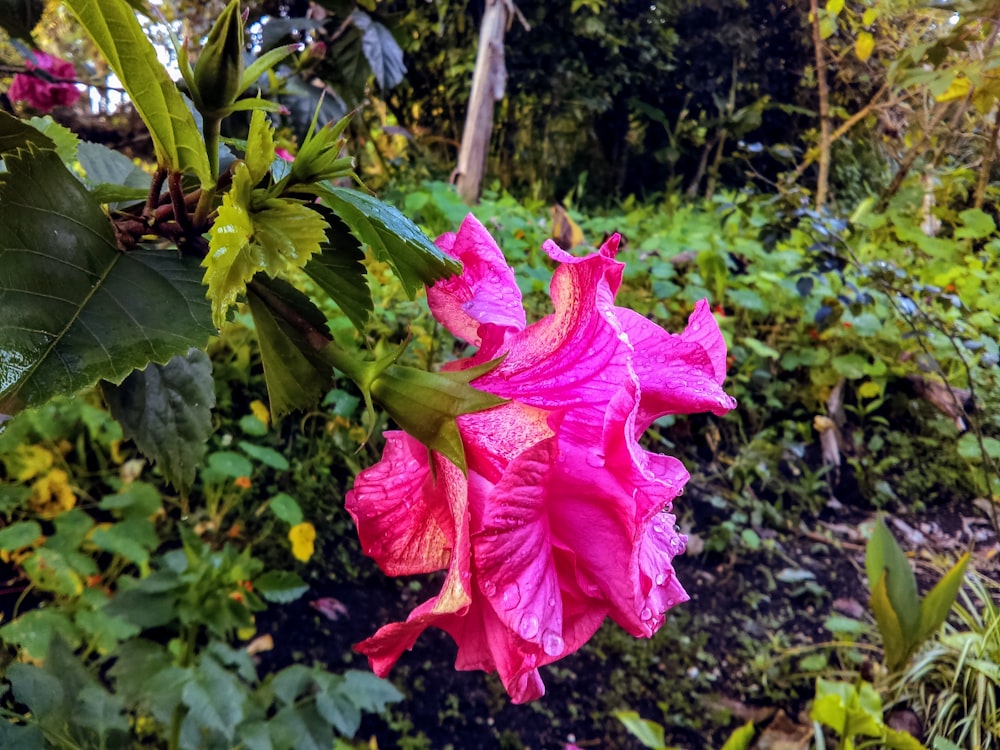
[(41, 94), (282, 153), (563, 518)]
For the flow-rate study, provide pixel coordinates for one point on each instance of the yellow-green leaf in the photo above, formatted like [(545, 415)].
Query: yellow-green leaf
[(958, 89), (864, 46), (288, 234), (833, 7), (115, 30), (935, 606), (893, 642), (869, 17), (260, 146), (232, 260)]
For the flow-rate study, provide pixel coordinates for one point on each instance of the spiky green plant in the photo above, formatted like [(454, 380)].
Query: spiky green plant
[(954, 681)]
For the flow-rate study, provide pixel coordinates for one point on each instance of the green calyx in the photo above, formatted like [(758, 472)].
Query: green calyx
[(218, 73), (424, 404)]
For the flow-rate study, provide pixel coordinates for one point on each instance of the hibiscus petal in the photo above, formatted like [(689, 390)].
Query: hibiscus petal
[(678, 374), (512, 549), (485, 293), (404, 520)]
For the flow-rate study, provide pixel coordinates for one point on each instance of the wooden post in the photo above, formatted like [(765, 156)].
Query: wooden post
[(488, 83)]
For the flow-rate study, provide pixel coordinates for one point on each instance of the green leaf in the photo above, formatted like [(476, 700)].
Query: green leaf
[(286, 508), (741, 738), (884, 553), (296, 373), (968, 447), (893, 642), (851, 366), (49, 570), (214, 698), (65, 140), (264, 455), (41, 692), (104, 713), (280, 586), (339, 271), (392, 237), (105, 632), (167, 410), (75, 308), (937, 604), (302, 728), (976, 224), (135, 500), (649, 733), (901, 740), (369, 693), (760, 348), (33, 632), (116, 31), (133, 539), (19, 535), (230, 464)]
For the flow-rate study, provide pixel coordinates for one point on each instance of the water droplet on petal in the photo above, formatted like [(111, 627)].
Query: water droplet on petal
[(661, 579), (646, 614), (511, 596), (528, 627), (489, 588), (552, 601), (595, 460), (552, 643), (657, 528)]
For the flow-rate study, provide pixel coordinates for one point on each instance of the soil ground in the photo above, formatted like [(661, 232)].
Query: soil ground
[(743, 648)]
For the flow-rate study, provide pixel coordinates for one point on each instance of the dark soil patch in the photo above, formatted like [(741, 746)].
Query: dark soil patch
[(737, 650)]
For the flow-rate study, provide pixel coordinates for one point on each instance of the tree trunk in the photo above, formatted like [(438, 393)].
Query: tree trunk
[(488, 83), (823, 180)]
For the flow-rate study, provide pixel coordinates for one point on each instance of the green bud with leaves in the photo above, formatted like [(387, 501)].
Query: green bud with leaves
[(218, 74), (319, 156)]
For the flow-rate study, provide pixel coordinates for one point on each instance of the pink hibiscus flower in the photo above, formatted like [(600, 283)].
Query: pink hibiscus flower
[(563, 519), (41, 94)]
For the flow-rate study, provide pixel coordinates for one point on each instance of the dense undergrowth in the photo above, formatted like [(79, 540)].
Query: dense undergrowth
[(863, 354)]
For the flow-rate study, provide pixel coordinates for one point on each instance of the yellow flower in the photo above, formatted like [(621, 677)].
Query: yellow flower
[(28, 461), (259, 409), (302, 536), (52, 495)]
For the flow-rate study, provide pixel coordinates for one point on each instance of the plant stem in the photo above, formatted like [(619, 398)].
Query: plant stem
[(823, 180)]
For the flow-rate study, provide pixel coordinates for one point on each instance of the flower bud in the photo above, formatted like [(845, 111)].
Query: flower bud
[(218, 74)]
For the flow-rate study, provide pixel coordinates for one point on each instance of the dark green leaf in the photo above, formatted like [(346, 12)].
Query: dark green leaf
[(136, 662), (280, 586), (105, 631), (21, 737), (16, 134), (392, 237), (75, 308), (304, 726), (339, 272), (167, 410), (894, 644), (297, 376), (381, 50), (113, 26), (339, 710)]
